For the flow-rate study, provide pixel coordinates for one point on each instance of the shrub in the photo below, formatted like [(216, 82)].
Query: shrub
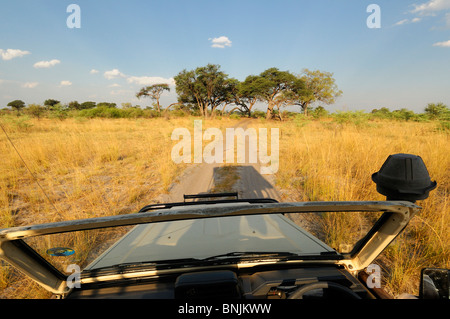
[(35, 110), (403, 114), (259, 114), (319, 112), (355, 117)]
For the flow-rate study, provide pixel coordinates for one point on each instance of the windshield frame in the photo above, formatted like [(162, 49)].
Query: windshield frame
[(396, 216)]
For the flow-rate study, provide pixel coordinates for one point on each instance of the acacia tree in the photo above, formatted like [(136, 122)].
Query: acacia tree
[(205, 87), (87, 105), (50, 103), (318, 86), (74, 105), (272, 87), (245, 94), (154, 92), (17, 105)]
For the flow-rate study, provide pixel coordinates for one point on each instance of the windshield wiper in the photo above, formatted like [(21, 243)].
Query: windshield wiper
[(262, 255), (227, 258), (186, 262), (138, 266), (251, 255)]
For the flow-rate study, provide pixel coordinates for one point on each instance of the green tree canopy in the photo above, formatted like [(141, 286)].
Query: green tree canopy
[(87, 105), (107, 105), (246, 94), (319, 86), (17, 105), (50, 103), (436, 110), (205, 87), (272, 86), (74, 105)]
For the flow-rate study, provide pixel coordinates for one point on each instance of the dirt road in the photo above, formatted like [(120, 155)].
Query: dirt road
[(202, 178)]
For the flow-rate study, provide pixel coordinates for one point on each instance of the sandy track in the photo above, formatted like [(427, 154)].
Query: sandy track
[(201, 178)]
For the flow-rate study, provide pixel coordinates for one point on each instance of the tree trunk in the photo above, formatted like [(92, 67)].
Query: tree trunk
[(305, 109), (250, 109), (279, 113), (269, 112)]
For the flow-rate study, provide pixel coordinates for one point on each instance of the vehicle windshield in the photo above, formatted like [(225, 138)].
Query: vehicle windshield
[(206, 241)]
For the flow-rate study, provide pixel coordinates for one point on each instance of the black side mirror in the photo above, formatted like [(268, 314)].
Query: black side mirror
[(434, 283)]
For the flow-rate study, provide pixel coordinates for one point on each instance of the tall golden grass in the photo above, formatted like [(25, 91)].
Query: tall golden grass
[(324, 160), (87, 168), (100, 167)]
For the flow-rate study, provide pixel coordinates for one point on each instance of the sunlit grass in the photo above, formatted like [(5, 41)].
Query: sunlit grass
[(101, 167), (324, 160), (88, 168)]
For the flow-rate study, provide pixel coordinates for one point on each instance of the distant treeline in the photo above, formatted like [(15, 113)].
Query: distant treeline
[(208, 92), (89, 109)]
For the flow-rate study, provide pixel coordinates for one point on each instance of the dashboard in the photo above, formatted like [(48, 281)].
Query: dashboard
[(319, 282)]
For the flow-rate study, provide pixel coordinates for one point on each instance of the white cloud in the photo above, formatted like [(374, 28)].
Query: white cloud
[(9, 54), (93, 71), (220, 42), (431, 6), (139, 80), (30, 85), (402, 22), (445, 44), (46, 64), (149, 80), (65, 83), (406, 21), (114, 74)]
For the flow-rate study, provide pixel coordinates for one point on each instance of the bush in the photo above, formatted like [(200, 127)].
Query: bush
[(102, 111), (35, 110), (319, 112), (58, 111), (355, 117), (403, 114), (259, 114), (383, 113), (179, 113), (131, 112)]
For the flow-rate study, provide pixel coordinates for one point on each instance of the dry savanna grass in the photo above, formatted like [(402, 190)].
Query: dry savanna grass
[(324, 160), (98, 167), (87, 168)]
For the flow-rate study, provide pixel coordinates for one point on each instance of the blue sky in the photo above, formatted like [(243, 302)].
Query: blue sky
[(125, 45)]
